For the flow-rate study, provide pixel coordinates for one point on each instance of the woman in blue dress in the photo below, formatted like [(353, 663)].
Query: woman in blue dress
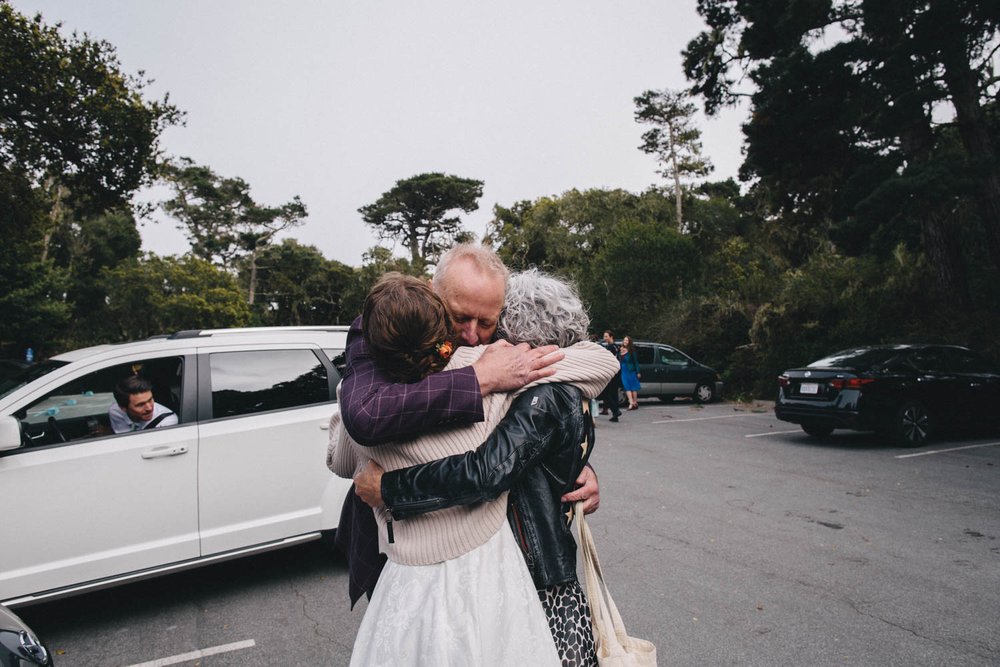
[(630, 372)]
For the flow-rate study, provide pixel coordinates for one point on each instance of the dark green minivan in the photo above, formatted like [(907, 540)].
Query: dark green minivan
[(667, 373)]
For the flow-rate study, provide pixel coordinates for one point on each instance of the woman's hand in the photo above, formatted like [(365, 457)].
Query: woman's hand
[(368, 483), (587, 490)]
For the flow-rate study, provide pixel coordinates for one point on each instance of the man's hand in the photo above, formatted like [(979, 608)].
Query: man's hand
[(586, 490), (368, 483), (506, 367)]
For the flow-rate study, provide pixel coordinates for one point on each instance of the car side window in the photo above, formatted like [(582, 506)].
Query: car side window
[(966, 361), (927, 361), (672, 358), (261, 380), (644, 354), (81, 408)]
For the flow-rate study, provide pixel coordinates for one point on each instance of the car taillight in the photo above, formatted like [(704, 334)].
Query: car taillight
[(782, 380), (850, 383)]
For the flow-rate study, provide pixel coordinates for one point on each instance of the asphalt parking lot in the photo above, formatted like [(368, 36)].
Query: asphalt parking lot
[(727, 537)]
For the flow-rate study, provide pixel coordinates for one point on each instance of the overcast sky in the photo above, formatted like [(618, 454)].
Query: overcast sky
[(335, 101)]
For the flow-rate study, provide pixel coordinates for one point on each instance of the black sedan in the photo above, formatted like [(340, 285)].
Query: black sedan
[(905, 392)]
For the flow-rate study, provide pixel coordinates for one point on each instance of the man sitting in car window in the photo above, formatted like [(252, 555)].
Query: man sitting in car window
[(136, 410)]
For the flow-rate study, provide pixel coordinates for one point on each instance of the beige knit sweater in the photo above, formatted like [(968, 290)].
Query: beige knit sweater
[(448, 533)]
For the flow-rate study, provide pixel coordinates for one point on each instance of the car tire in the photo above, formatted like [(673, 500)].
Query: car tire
[(817, 430), (704, 392), (912, 425)]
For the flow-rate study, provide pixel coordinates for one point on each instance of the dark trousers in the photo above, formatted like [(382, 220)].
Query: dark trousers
[(609, 397)]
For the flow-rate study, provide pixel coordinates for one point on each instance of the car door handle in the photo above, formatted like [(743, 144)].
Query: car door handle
[(160, 452), (325, 426)]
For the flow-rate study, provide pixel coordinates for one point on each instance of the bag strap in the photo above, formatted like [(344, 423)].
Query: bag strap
[(609, 628)]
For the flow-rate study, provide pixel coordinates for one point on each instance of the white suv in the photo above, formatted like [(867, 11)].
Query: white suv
[(243, 470)]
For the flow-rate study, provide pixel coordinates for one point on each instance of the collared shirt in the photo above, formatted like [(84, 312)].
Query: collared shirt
[(122, 423)]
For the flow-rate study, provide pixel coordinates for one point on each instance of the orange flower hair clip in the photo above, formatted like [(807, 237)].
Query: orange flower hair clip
[(444, 349)]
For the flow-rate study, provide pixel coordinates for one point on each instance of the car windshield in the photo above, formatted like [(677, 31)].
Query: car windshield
[(28, 374), (858, 358)]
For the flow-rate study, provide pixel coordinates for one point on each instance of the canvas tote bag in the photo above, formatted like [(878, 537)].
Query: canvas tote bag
[(614, 647)]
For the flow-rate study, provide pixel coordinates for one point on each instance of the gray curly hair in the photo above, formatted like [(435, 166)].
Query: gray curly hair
[(542, 309)]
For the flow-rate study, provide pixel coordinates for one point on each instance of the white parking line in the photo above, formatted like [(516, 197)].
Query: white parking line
[(194, 655), (761, 435), (700, 419), (945, 451)]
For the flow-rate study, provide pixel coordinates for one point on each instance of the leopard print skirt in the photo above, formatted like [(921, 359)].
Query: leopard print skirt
[(569, 619)]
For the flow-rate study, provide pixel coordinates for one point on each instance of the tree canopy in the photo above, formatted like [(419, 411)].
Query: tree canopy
[(847, 100), (296, 285), (70, 117), (77, 139), (673, 139), (152, 295), (420, 212), (223, 222)]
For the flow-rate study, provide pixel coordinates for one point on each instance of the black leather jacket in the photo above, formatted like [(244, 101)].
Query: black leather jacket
[(537, 451)]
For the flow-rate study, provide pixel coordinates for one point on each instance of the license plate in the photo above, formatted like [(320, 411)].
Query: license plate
[(809, 388)]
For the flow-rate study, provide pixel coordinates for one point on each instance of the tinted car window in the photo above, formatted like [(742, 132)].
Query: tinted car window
[(246, 382), (9, 384), (928, 360), (672, 357), (644, 354), (966, 361), (861, 358)]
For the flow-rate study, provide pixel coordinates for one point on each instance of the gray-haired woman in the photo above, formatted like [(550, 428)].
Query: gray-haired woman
[(536, 452)]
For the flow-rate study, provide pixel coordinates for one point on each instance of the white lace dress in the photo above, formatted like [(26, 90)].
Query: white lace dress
[(478, 609)]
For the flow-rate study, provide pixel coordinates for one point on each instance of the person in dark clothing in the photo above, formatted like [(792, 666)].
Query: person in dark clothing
[(609, 397)]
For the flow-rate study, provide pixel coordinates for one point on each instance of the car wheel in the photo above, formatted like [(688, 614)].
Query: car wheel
[(666, 399), (817, 430), (912, 426), (704, 392)]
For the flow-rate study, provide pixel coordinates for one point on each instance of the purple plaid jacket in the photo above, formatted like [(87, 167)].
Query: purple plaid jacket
[(375, 409)]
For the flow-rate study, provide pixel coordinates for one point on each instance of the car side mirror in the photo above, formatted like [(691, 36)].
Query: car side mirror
[(10, 433)]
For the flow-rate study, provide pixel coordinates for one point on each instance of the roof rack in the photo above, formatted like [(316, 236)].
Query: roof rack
[(199, 333)]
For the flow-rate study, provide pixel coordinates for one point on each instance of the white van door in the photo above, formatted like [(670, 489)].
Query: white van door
[(81, 503), (262, 471)]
